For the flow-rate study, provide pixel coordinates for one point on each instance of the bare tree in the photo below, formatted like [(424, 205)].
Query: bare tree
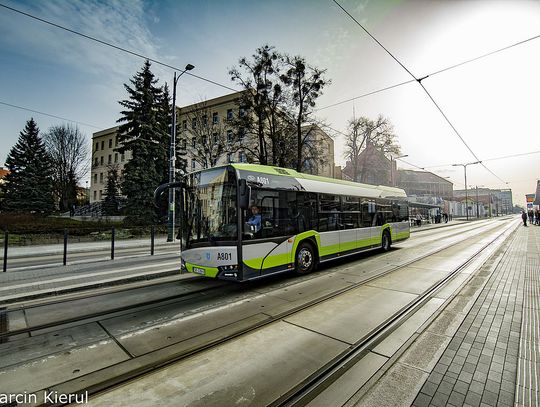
[(362, 131), (68, 149), (207, 140)]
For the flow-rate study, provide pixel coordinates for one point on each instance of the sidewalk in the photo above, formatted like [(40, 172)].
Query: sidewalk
[(484, 348)]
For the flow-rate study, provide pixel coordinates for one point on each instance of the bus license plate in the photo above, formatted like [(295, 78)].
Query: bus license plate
[(198, 270)]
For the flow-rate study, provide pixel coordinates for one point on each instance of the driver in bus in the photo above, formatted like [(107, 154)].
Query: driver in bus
[(255, 220)]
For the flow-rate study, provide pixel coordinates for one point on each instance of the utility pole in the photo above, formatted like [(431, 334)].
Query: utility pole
[(172, 158), (466, 197)]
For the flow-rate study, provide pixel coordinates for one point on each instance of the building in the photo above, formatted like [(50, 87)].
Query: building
[(104, 155), (320, 152), (372, 167), (207, 120), (491, 202), (424, 183)]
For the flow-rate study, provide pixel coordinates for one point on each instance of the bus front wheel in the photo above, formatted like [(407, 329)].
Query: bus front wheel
[(305, 258), (386, 241)]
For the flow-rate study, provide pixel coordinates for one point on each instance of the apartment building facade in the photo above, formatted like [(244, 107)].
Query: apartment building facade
[(217, 116)]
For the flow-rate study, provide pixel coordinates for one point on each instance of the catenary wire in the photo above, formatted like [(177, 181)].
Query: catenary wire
[(48, 114), (491, 159), (115, 47), (419, 80)]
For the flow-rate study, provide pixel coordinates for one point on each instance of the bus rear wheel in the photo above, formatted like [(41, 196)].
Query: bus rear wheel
[(386, 241), (305, 258)]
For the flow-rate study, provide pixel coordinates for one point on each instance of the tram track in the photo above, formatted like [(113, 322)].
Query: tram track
[(158, 302), (108, 378), (320, 380)]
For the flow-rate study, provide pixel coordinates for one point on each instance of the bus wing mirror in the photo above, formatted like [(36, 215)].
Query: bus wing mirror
[(162, 188), (244, 194)]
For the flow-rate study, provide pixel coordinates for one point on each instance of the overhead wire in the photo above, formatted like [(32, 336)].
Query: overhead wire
[(89, 37), (49, 115), (419, 80)]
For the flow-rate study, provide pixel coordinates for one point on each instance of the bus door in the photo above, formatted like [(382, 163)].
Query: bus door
[(349, 224), (369, 234)]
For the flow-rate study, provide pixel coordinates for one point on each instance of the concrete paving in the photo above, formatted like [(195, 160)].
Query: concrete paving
[(482, 350)]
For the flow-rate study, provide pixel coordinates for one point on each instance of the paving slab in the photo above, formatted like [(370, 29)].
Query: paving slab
[(241, 372), (353, 315)]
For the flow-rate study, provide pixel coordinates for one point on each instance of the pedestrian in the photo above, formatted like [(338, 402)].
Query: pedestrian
[(531, 217), (524, 217), (418, 220)]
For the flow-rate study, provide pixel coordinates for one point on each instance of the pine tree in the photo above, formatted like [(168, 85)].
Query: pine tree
[(28, 186), (144, 132), (111, 203)]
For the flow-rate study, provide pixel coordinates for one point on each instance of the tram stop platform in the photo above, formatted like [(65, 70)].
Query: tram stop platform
[(483, 349)]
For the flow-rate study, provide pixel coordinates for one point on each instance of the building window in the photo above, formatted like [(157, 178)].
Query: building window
[(229, 136), (97, 146), (242, 111), (115, 158), (95, 178), (184, 124), (241, 134), (95, 195), (116, 141), (102, 144), (229, 158), (110, 143), (194, 123), (122, 157), (205, 120), (215, 137), (101, 178), (242, 157), (100, 193), (215, 118), (101, 160), (96, 162), (110, 157), (229, 114), (193, 163), (194, 142)]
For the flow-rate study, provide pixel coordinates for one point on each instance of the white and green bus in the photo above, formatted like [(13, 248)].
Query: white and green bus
[(245, 221)]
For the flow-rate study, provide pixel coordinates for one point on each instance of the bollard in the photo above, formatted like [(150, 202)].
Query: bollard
[(152, 236), (5, 249), (112, 243), (65, 246)]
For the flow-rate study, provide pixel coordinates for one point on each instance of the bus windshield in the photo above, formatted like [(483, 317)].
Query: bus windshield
[(210, 210)]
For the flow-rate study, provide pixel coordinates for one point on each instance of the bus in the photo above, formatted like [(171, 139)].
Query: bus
[(245, 221)]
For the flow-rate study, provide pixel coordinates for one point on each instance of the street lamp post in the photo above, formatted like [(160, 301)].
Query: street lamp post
[(466, 197), (172, 159), (392, 159)]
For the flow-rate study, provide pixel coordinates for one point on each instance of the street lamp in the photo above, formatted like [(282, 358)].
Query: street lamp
[(392, 167), (466, 197), (172, 155)]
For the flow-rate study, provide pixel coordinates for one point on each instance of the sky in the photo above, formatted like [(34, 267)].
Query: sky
[(492, 102)]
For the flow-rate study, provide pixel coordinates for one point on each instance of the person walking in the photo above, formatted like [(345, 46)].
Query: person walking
[(524, 217)]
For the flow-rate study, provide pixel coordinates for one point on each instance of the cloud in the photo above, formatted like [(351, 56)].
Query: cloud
[(115, 22)]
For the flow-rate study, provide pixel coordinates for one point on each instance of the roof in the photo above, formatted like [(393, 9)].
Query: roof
[(3, 172), (420, 176), (269, 175)]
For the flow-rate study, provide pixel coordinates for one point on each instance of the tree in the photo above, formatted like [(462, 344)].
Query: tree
[(259, 91), (111, 203), (68, 149), (362, 131), (144, 132), (305, 85), (28, 186), (208, 141)]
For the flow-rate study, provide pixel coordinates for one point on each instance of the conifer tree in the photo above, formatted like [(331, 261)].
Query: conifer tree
[(144, 132), (111, 203), (28, 186)]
